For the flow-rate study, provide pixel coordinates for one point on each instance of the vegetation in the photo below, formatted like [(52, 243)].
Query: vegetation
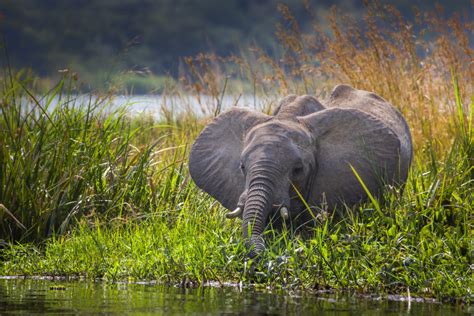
[(86, 190), (107, 39), (148, 37)]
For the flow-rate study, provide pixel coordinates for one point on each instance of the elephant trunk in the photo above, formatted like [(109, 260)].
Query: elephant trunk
[(257, 207)]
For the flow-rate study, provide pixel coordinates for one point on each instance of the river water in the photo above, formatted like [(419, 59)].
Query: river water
[(40, 296), (158, 106)]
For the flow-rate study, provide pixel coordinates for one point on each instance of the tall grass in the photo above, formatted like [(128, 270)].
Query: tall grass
[(419, 243), (409, 62), (61, 159), (114, 195)]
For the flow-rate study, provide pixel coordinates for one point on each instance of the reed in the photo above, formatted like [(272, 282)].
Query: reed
[(64, 157)]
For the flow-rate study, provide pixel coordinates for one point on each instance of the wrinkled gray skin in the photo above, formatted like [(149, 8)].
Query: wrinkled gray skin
[(255, 161)]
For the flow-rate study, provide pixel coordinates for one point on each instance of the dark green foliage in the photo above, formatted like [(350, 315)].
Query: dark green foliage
[(112, 36), (100, 38)]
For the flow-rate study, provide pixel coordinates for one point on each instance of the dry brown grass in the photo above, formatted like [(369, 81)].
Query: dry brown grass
[(411, 63)]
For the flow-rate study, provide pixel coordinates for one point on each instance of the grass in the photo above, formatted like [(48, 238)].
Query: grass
[(86, 190)]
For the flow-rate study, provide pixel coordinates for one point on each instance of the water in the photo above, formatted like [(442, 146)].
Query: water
[(39, 296), (156, 105)]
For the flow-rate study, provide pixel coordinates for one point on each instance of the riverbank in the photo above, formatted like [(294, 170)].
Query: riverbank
[(365, 254)]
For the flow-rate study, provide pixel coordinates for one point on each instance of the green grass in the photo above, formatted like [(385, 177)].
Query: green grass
[(77, 160), (90, 192)]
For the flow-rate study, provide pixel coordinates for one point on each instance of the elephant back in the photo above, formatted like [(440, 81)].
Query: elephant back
[(344, 96)]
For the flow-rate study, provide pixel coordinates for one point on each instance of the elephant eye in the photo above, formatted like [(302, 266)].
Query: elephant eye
[(242, 167), (298, 170)]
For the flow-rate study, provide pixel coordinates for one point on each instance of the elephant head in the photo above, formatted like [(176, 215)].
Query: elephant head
[(254, 164)]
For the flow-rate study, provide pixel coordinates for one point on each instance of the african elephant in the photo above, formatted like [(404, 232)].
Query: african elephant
[(258, 165)]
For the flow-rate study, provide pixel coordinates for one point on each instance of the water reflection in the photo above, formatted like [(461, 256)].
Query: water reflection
[(27, 296)]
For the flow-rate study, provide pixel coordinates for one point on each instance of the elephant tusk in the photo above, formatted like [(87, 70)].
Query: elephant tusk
[(284, 213), (235, 213)]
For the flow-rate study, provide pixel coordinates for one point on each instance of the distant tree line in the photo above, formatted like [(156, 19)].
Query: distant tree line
[(146, 35)]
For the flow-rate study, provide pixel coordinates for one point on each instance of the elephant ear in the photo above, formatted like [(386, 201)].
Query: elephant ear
[(345, 138), (214, 160)]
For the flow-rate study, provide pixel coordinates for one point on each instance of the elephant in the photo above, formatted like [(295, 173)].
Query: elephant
[(304, 156)]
